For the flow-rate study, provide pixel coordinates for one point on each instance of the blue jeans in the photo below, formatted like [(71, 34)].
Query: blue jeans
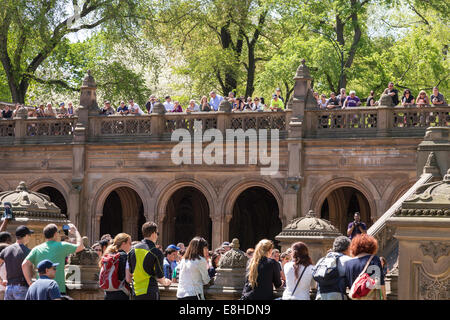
[(15, 292)]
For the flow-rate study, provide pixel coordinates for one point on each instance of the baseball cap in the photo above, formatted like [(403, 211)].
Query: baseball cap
[(172, 246), (225, 244), (62, 104), (45, 264), (22, 231)]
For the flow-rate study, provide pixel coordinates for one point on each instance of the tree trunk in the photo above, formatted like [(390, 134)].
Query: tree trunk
[(251, 72)]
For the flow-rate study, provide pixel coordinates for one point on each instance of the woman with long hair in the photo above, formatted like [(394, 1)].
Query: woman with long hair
[(298, 274), (121, 245), (193, 271), (262, 274)]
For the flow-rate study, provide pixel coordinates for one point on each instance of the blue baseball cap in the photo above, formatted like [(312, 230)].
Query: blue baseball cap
[(45, 264), (172, 246)]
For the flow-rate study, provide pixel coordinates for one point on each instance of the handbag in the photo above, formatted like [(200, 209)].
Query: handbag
[(363, 285)]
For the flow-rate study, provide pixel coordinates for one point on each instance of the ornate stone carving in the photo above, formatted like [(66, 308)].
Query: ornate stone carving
[(7, 128), (159, 108), (386, 100), (431, 199), (431, 166), (435, 249), (302, 71), (233, 258), (431, 287), (309, 225), (86, 257), (225, 106)]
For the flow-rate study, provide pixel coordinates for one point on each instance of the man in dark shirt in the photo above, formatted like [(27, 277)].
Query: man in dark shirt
[(333, 102), (437, 97), (393, 93), (7, 113), (146, 265), (45, 288), (13, 257), (356, 227), (150, 104)]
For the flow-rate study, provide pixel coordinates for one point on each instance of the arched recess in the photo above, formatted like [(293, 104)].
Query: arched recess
[(256, 216), (400, 191), (184, 194), (58, 195), (133, 208), (341, 198)]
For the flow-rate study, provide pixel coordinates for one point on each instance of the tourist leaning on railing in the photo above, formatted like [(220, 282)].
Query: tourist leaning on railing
[(408, 98), (7, 113), (150, 103), (333, 102), (107, 109), (276, 103), (70, 110), (257, 105), (437, 98), (422, 99), (204, 104), (122, 109), (193, 107), (342, 96), (323, 102), (371, 99), (351, 101), (62, 111), (49, 112)]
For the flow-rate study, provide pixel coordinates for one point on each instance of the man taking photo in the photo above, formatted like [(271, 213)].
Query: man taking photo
[(356, 227)]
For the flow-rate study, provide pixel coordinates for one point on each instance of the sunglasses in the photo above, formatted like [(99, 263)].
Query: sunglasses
[(98, 250)]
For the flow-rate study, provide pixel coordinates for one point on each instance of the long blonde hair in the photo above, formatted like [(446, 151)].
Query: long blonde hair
[(119, 239), (261, 250)]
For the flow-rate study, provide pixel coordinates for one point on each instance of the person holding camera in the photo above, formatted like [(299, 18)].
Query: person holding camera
[(356, 227), (55, 250)]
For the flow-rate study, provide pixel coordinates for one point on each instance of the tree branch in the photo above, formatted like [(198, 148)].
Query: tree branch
[(52, 82)]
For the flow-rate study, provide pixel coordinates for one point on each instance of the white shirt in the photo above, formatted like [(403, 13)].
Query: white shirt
[(302, 291), (257, 107), (193, 276), (196, 108), (3, 275), (135, 107), (168, 106)]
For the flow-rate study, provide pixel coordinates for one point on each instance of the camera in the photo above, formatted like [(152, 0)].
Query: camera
[(8, 213), (66, 229)]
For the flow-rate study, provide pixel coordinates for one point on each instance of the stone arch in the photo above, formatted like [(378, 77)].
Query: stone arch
[(169, 189), (327, 190), (168, 192), (42, 183), (98, 201), (233, 192)]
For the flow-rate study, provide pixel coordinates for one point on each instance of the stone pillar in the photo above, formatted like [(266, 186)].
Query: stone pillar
[(82, 275), (217, 231), (423, 231), (437, 140), (158, 120)]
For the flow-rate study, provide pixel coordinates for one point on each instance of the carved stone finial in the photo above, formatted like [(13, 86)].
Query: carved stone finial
[(159, 108), (447, 177), (302, 72), (386, 100), (85, 242), (225, 106), (311, 214), (303, 62), (22, 186), (431, 166), (235, 244)]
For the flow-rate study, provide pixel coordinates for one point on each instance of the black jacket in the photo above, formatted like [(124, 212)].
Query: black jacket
[(268, 276)]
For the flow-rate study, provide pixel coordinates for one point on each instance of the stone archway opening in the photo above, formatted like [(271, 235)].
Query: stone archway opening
[(56, 197), (187, 216), (255, 217), (340, 206), (123, 211)]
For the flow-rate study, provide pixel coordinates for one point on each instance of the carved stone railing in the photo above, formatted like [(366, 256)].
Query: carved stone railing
[(379, 121), (7, 128), (175, 121), (52, 127)]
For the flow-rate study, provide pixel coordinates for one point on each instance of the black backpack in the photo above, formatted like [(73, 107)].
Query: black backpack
[(326, 271)]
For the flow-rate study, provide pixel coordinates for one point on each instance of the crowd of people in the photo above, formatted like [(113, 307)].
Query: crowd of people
[(340, 101), (343, 101), (134, 269)]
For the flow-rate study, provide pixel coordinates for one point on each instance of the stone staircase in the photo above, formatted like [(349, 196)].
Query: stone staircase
[(387, 244)]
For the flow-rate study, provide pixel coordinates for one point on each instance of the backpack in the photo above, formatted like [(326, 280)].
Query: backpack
[(108, 278), (363, 284), (326, 270)]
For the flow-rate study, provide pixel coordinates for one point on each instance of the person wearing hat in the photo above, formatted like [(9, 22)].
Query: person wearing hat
[(107, 109), (276, 103), (226, 246), (45, 288), (13, 256), (62, 111), (170, 260)]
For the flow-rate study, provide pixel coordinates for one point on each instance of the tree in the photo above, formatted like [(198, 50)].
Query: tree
[(219, 40), (30, 30)]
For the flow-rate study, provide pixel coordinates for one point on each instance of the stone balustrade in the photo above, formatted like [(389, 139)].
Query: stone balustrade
[(336, 123), (379, 121)]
